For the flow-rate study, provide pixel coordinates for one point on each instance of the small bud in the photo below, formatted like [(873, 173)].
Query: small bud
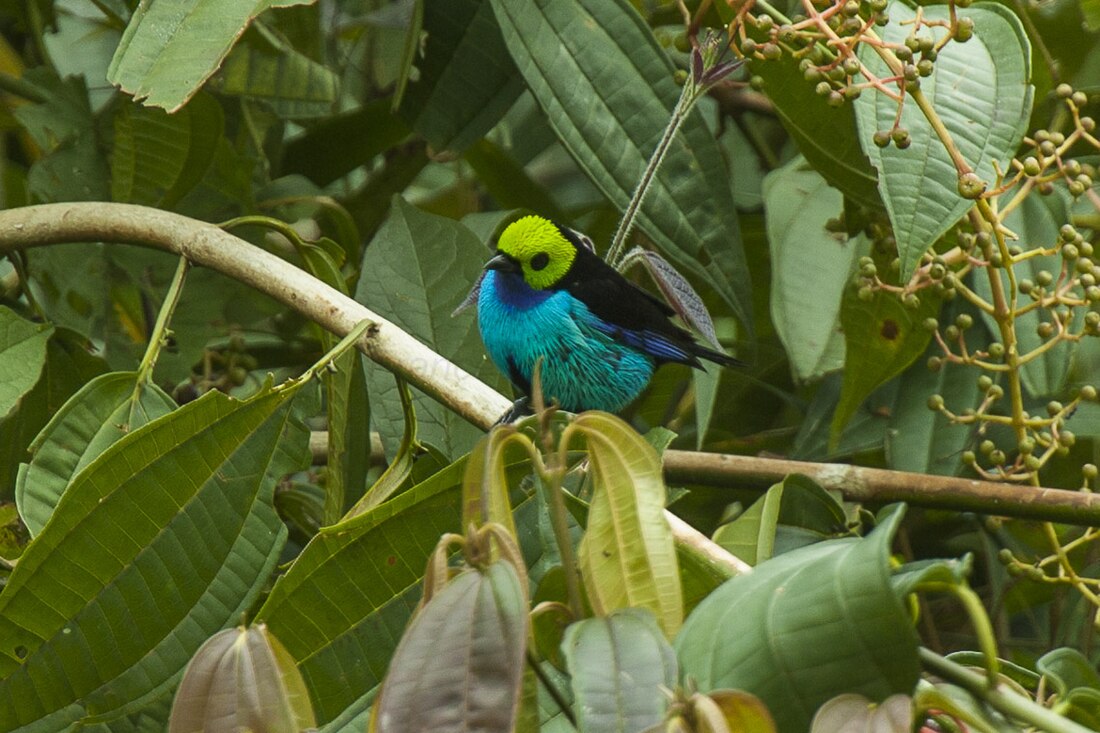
[(1031, 166), (935, 402), (1090, 471), (1045, 330), (1088, 393), (1054, 407), (995, 392), (931, 324), (996, 349), (964, 30), (986, 447), (1063, 90), (1067, 438), (984, 382), (997, 457), (935, 363)]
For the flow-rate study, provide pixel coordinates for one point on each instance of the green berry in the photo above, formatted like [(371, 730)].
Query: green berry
[(1088, 393), (1065, 91), (925, 67), (964, 30), (1045, 330), (851, 66), (986, 447), (996, 349), (1054, 407), (984, 382), (1090, 471), (881, 138), (1067, 438), (1031, 166), (995, 392), (935, 402)]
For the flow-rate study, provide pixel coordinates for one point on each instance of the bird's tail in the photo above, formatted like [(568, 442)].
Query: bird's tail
[(717, 357)]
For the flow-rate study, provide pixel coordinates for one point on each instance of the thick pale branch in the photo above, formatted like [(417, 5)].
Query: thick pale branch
[(207, 245)]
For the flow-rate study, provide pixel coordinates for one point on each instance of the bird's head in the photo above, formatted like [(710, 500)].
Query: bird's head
[(536, 248)]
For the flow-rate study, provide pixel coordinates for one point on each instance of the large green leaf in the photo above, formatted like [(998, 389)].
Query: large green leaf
[(459, 666), (1036, 220), (467, 79), (811, 266), (164, 539), (417, 269), (806, 626), (102, 412), (171, 47), (156, 157), (980, 90), (619, 667), (627, 556), (578, 58)]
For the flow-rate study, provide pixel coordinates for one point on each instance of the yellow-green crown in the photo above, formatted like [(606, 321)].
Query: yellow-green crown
[(540, 248)]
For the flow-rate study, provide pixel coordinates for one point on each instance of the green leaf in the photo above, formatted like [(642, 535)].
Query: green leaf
[(806, 626), (798, 203), (414, 37), (485, 483), (241, 679), (400, 468), (627, 556), (171, 47), (157, 158), (459, 666), (882, 338), (73, 168), (97, 416), (921, 440), (197, 548), (417, 269), (827, 136), (508, 182), (980, 90), (619, 667), (22, 357), (68, 366), (263, 67), (577, 58), (467, 79), (1036, 220), (336, 145), (791, 514)]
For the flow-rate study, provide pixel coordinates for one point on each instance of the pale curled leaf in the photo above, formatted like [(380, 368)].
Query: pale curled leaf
[(241, 679), (171, 47), (619, 667), (459, 665), (627, 555)]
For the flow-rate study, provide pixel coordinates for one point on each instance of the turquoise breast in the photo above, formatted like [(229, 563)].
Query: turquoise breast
[(582, 367)]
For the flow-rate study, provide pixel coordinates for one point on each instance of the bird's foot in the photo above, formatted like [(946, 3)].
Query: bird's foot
[(520, 408)]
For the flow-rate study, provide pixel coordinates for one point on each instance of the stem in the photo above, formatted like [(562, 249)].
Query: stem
[(550, 483), (983, 629), (688, 96), (159, 337), (1009, 703)]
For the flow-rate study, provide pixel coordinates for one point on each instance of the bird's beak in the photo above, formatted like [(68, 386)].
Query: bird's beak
[(502, 262)]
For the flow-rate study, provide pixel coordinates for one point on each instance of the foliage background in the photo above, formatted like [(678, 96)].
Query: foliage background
[(395, 139)]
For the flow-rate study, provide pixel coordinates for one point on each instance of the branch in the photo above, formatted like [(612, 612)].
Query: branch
[(879, 485), (206, 245)]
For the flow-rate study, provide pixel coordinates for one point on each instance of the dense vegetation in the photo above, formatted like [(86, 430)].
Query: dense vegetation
[(254, 445)]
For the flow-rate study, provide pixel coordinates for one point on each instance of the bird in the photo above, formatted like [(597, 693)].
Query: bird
[(545, 297)]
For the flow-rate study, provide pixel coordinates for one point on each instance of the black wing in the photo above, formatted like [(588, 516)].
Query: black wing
[(631, 315)]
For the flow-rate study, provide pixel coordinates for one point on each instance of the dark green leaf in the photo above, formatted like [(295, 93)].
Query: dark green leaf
[(825, 135), (263, 67), (467, 79), (157, 158), (417, 269)]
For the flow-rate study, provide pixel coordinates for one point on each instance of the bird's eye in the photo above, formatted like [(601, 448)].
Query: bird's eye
[(540, 261)]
